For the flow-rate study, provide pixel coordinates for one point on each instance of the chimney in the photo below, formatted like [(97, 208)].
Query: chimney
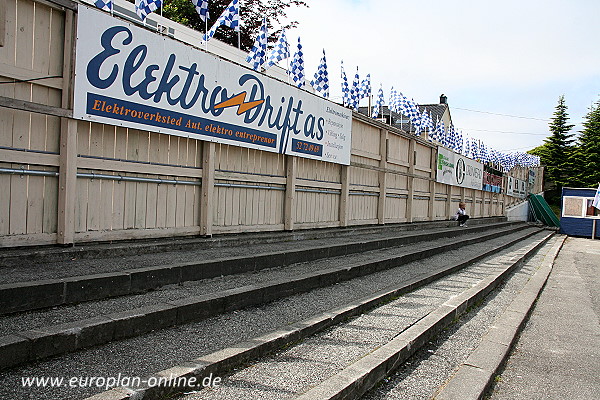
[(443, 99)]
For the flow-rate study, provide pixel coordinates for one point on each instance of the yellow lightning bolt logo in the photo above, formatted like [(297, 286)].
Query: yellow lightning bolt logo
[(238, 100)]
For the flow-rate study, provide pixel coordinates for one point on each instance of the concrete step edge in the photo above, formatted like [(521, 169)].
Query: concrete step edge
[(87, 250), (27, 296), (224, 360), (355, 380), (474, 377), (54, 340)]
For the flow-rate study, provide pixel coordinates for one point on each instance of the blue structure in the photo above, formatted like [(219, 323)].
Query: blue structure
[(578, 214)]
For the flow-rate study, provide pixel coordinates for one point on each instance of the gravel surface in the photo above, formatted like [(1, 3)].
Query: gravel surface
[(295, 370), (64, 314), (70, 263), (147, 354), (423, 374)]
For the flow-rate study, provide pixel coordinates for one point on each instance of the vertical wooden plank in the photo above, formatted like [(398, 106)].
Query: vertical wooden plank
[(22, 119), (53, 123), (18, 204), (344, 195), (60, 42), (39, 132), (171, 205), (51, 192), (8, 14), (108, 141), (96, 138), (411, 180), (106, 203), (118, 206), (235, 207), (129, 205), (81, 206), (383, 152), (208, 189), (25, 31), (120, 147), (190, 206), (35, 204), (242, 205), (133, 148), (93, 207), (151, 205), (5, 181), (41, 39), (141, 190), (161, 204), (180, 204), (290, 192), (7, 115)]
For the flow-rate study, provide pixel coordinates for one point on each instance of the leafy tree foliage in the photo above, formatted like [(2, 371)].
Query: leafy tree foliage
[(251, 15)]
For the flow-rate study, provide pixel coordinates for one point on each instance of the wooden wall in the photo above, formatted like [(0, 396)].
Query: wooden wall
[(100, 182)]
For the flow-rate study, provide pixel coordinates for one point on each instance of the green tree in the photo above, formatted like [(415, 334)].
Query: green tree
[(558, 148), (251, 15), (587, 155)]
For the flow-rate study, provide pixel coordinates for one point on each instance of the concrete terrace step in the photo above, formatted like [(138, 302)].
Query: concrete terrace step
[(45, 341), (151, 271), (281, 376), (9, 257), (160, 349)]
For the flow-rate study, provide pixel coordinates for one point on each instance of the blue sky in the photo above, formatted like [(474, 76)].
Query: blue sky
[(514, 57)]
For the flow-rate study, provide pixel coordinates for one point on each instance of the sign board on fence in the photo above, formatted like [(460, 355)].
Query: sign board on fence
[(455, 169), (128, 76)]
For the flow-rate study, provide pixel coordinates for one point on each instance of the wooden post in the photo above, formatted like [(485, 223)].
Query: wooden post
[(67, 182), (411, 180), (383, 151), (290, 192), (208, 188), (2, 23), (67, 172), (344, 195), (433, 168)]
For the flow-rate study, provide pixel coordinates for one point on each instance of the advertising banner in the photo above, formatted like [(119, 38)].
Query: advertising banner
[(455, 169), (516, 187), (128, 76), (492, 180)]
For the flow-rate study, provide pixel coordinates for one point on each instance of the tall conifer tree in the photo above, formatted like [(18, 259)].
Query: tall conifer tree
[(588, 150), (559, 148)]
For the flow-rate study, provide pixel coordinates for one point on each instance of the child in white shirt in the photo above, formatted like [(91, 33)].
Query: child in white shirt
[(461, 215)]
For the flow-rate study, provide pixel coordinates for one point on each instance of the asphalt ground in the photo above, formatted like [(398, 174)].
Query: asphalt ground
[(557, 355)]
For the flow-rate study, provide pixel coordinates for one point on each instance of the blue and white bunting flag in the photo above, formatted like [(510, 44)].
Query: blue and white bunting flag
[(321, 81), (393, 103), (354, 95), (230, 18), (378, 103), (281, 51), (257, 56), (202, 9), (365, 87), (345, 88), (297, 67), (145, 7), (105, 5)]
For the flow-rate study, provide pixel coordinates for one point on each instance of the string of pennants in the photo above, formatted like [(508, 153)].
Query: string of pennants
[(422, 122)]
